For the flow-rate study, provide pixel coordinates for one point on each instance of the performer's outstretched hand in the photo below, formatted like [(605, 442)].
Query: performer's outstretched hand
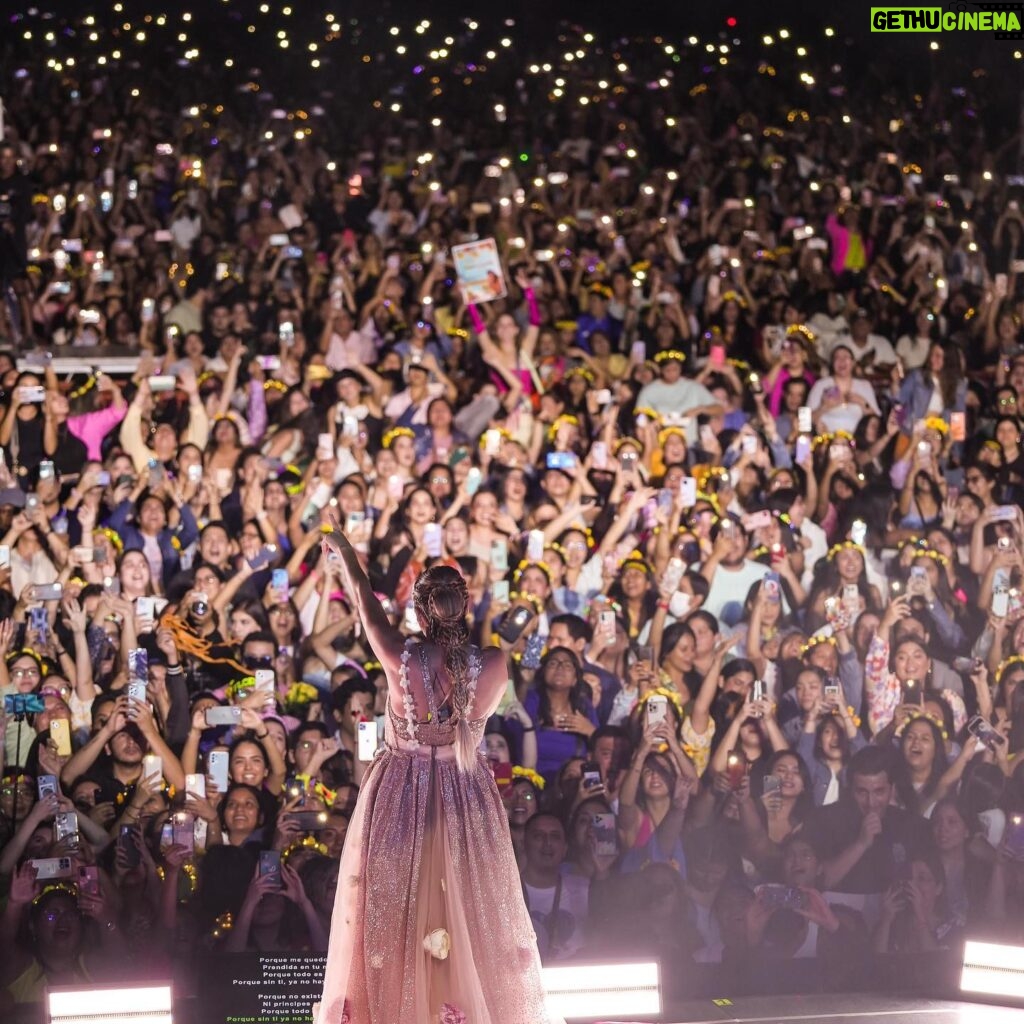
[(335, 540)]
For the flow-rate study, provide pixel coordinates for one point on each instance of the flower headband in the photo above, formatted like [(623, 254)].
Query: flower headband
[(935, 556), (565, 420), (731, 296), (396, 432), (938, 424), (581, 371), (669, 354), (801, 329), (650, 413), (34, 655), (527, 563), (914, 716), (114, 538), (529, 775), (666, 432), (815, 641), (275, 385), (846, 545), (1014, 659), (839, 435), (66, 887), (635, 560)]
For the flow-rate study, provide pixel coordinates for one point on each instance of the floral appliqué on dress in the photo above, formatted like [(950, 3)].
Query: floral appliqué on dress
[(451, 1015)]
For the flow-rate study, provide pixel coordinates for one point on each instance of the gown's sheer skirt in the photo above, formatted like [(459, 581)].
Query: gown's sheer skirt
[(428, 848)]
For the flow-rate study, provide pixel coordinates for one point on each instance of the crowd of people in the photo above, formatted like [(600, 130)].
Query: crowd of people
[(733, 471)]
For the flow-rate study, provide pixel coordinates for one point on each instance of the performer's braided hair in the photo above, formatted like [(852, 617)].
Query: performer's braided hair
[(441, 598)]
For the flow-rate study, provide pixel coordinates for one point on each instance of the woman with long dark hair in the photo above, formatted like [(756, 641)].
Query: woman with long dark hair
[(429, 918)]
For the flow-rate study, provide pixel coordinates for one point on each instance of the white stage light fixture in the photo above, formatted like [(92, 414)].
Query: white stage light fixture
[(104, 1004), (603, 990), (993, 970)]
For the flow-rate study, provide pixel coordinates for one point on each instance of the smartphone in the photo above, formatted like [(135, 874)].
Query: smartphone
[(473, 480), (735, 769), (45, 785), (217, 769), (396, 487), (499, 556), (638, 352), (367, 740), (513, 624), (599, 455), (196, 785), (279, 582), (757, 520), (47, 592), (688, 491), (657, 709), (502, 772), (591, 775), (286, 333), (32, 394), (982, 729), (278, 239), (162, 382), (673, 574), (126, 844), (138, 657), (1014, 836), (310, 821), (782, 897), (89, 879), (607, 620), (53, 867), (264, 680), (913, 692), (136, 690), (772, 587), (183, 830), (263, 557), (65, 826), (772, 785), (5, 556), (851, 598), (223, 715), (270, 867), (605, 836), (561, 460), (802, 449), (432, 540), (1000, 602), (1003, 514), (804, 422), (832, 693), (500, 592), (45, 470), (716, 357), (60, 733), (153, 767)]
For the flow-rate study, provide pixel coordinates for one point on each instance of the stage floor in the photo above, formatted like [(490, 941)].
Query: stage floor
[(859, 1008)]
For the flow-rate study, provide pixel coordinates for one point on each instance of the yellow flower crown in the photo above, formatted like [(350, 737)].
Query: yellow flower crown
[(938, 424), (666, 432), (814, 641), (67, 887), (647, 411), (623, 441), (669, 354), (1014, 659), (601, 289), (305, 843), (845, 545), (565, 420), (935, 556), (801, 329), (565, 325), (525, 564), (536, 779), (635, 560), (581, 371), (915, 715), (275, 385), (396, 432), (734, 296), (703, 473), (89, 384), (114, 538), (839, 435)]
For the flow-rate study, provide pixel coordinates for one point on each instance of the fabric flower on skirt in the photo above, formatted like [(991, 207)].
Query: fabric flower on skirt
[(438, 944)]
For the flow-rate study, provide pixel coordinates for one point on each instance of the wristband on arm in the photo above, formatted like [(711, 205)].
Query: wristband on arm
[(476, 318)]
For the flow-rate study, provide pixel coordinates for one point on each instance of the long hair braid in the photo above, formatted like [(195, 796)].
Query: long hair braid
[(441, 597)]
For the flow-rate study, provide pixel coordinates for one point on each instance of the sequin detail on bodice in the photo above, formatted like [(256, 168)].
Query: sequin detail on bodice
[(435, 732)]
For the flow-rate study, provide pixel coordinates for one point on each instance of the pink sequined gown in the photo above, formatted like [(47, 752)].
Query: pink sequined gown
[(428, 850)]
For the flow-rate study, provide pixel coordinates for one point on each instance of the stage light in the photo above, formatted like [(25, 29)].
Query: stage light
[(993, 970), (145, 1004), (603, 990)]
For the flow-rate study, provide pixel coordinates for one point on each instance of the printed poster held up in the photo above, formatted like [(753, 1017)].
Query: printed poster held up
[(479, 271)]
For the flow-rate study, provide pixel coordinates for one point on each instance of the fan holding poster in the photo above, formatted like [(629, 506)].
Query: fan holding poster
[(479, 271)]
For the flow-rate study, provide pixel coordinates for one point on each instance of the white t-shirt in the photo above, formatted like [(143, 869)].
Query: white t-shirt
[(846, 416), (730, 586), (562, 936)]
